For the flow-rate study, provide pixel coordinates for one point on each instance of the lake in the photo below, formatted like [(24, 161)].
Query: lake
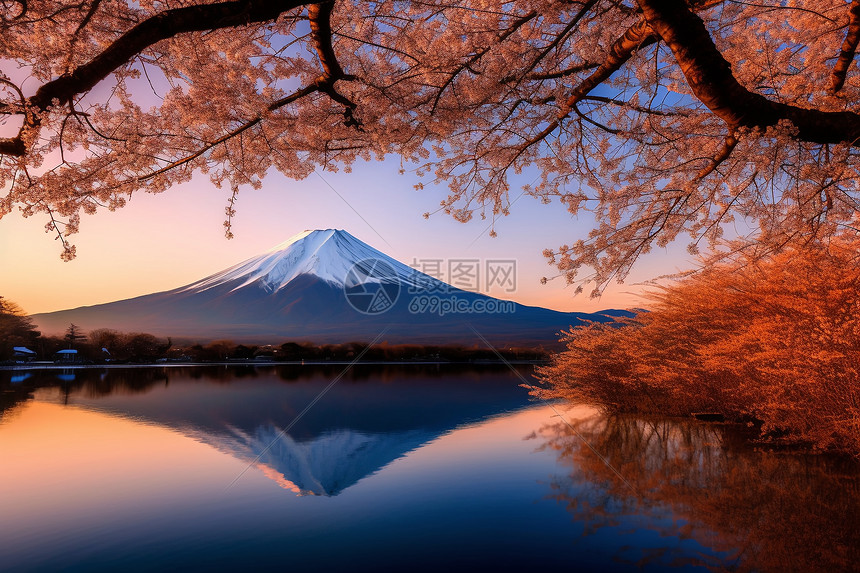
[(393, 468)]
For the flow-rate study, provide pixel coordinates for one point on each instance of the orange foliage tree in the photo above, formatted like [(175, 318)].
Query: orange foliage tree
[(661, 117), (774, 340)]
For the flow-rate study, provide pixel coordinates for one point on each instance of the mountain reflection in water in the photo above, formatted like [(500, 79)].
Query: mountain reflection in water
[(366, 421), (419, 468), (759, 510)]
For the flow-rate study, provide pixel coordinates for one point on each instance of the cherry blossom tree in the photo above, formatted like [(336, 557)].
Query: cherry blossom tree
[(663, 118)]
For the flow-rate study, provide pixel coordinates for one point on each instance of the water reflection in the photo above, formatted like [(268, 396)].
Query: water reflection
[(758, 510), (19, 377), (130, 466), (66, 375), (370, 418)]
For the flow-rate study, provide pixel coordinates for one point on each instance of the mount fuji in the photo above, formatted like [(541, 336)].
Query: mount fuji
[(327, 287)]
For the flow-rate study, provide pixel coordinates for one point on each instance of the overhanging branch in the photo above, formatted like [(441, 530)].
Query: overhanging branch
[(710, 78), (319, 16), (849, 48), (160, 27), (295, 96), (164, 25), (725, 150), (501, 37), (636, 37), (332, 72)]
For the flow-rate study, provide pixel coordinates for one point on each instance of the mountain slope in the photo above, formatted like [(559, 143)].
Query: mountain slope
[(319, 287)]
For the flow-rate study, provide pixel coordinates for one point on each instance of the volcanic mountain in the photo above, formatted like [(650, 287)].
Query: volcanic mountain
[(324, 286)]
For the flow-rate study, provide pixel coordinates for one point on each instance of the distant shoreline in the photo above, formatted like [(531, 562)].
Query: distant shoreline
[(53, 366)]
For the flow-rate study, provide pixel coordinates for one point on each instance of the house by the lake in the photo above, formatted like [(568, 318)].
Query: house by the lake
[(23, 354), (67, 356)]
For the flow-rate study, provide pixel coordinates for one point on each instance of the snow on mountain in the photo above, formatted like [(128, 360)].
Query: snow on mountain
[(328, 254), (325, 287), (325, 465)]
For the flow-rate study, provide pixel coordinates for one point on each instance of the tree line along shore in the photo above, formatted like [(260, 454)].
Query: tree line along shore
[(111, 347)]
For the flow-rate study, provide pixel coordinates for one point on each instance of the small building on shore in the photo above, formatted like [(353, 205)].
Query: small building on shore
[(23, 354), (67, 356)]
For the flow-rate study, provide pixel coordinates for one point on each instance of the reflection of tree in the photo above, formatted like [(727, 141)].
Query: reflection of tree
[(10, 397), (389, 373), (94, 383), (761, 511), (98, 382)]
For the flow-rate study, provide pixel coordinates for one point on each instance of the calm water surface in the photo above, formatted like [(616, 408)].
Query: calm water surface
[(411, 468)]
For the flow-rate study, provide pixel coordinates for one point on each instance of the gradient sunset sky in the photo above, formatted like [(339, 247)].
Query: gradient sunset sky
[(159, 242)]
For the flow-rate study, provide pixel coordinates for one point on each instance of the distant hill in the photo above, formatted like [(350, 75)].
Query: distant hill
[(326, 287)]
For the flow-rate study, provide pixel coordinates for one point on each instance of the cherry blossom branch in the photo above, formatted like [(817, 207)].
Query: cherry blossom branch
[(478, 55), (320, 21), (230, 212), (628, 105), (569, 71), (710, 78), (160, 27), (849, 48), (636, 37), (54, 226), (23, 4), (728, 145), (13, 146), (562, 35), (319, 16), (89, 16), (295, 96), (83, 24), (17, 90)]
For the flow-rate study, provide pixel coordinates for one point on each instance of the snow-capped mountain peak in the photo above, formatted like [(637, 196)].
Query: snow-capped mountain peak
[(317, 287), (329, 254)]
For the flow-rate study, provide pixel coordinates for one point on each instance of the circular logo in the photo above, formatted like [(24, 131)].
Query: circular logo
[(371, 286)]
